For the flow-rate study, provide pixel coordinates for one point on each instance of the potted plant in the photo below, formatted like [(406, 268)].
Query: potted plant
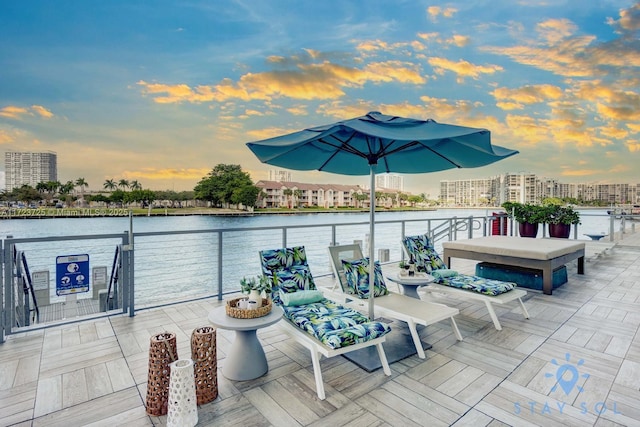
[(527, 215), (254, 286), (560, 220)]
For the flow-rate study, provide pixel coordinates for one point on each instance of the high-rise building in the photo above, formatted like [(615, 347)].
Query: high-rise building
[(29, 168), (279, 175), (390, 181)]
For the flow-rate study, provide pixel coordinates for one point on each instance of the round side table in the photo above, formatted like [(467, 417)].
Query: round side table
[(246, 359), (410, 284)]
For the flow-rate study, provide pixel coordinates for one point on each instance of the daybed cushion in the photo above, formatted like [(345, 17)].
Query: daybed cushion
[(357, 275), (521, 247), (334, 325)]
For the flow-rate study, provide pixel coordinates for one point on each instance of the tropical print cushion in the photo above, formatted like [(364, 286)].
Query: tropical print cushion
[(288, 270), (423, 253), (334, 325), (357, 276), (477, 284)]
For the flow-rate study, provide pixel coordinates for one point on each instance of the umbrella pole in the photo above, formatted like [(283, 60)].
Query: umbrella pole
[(372, 250)]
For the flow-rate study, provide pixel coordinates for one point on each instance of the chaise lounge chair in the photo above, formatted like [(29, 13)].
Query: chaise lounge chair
[(489, 291), (323, 326), (351, 270)]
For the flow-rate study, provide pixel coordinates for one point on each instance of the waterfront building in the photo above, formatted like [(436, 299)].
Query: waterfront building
[(29, 168), (529, 188), (291, 194), (390, 181), (280, 175)]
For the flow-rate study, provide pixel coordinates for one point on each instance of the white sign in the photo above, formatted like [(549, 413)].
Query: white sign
[(99, 275), (40, 280)]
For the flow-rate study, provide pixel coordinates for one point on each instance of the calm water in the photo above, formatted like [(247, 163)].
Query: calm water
[(186, 265)]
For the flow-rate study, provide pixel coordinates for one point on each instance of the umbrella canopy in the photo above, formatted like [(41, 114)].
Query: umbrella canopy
[(376, 143)]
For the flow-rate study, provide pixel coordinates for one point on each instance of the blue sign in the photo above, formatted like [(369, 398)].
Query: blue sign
[(72, 274)]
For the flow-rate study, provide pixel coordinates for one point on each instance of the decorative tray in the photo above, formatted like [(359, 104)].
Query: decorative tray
[(233, 310), (418, 277)]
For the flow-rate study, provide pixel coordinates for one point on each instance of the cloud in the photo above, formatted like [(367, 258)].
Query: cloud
[(555, 30), (462, 68), (41, 111), (18, 113), (435, 11), (629, 19), (323, 80), (580, 172), (510, 99), (166, 174), (6, 137), (460, 41)]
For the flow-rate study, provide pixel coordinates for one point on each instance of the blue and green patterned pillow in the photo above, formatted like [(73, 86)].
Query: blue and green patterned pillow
[(423, 253), (292, 279), (357, 275)]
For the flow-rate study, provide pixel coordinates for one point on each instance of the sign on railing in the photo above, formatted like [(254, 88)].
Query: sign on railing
[(72, 274)]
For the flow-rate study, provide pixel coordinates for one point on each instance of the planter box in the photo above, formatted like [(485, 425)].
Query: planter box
[(524, 277)]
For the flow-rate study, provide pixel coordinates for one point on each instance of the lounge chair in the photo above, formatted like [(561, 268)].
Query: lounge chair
[(323, 326), (464, 286), (351, 271)]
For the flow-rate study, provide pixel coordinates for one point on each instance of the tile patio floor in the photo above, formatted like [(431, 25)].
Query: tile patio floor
[(95, 372)]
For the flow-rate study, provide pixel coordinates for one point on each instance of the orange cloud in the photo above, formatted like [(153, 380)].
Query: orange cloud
[(5, 137), (462, 68), (13, 112), (580, 172), (510, 99), (555, 30), (458, 40), (325, 80), (633, 146), (157, 174), (435, 11), (41, 111)]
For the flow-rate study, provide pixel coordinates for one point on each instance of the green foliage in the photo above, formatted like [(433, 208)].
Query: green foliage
[(227, 184), (556, 214), (525, 212), (258, 283)]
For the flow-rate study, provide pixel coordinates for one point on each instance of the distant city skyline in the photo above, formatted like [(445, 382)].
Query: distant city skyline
[(162, 93)]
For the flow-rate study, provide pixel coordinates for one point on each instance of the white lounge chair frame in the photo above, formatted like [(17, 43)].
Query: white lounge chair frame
[(489, 300), (318, 349), (396, 306)]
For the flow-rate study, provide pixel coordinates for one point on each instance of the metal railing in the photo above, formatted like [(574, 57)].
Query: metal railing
[(178, 266)]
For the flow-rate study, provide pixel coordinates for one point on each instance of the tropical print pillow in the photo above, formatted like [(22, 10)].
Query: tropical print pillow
[(357, 276), (421, 249)]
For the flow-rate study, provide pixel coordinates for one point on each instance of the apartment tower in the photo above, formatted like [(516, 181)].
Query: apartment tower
[(29, 168)]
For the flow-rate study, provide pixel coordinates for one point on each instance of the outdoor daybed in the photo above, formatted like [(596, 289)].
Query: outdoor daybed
[(540, 254), (351, 270), (323, 326), (489, 291)]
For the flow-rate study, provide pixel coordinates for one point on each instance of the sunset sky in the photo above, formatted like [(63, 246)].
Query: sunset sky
[(160, 92)]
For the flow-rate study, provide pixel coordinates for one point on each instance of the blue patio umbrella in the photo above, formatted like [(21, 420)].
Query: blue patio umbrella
[(377, 143)]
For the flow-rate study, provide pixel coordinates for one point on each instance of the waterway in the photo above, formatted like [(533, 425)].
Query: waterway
[(186, 265)]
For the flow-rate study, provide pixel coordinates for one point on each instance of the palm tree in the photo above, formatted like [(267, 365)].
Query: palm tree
[(123, 183), (288, 192), (110, 185), (135, 185), (82, 183)]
